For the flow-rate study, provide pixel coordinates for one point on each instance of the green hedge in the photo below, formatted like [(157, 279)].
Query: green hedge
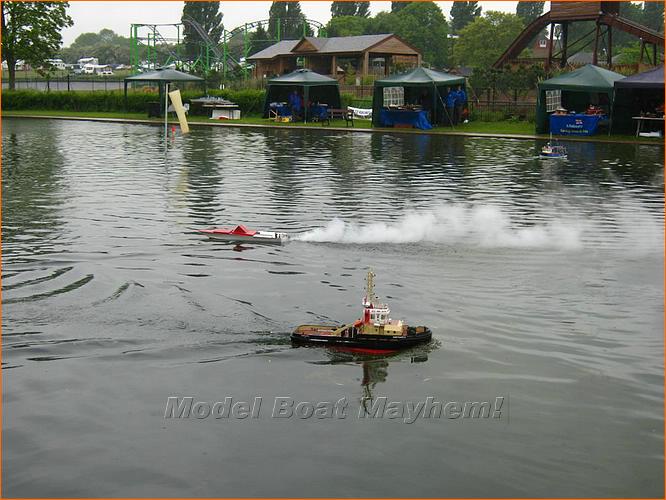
[(250, 101), (500, 115)]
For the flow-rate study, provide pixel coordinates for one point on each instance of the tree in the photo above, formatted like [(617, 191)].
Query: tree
[(653, 15), (529, 11), (106, 46), (343, 9), (31, 31), (423, 25), (209, 17), (361, 9), (630, 54), (295, 21), (397, 6), (482, 41), (383, 22), (463, 13), (347, 26), (259, 40), (276, 14), (290, 18)]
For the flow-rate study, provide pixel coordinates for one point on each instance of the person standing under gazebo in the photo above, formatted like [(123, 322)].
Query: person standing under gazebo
[(461, 102), (451, 99), (295, 103)]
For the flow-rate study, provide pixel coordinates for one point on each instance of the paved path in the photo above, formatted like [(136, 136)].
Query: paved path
[(344, 129)]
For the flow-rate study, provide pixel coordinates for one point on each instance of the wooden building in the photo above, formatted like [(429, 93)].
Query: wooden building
[(366, 54)]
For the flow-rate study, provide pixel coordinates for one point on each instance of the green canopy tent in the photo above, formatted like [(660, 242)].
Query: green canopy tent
[(587, 85), (161, 77), (414, 82), (635, 95), (315, 88)]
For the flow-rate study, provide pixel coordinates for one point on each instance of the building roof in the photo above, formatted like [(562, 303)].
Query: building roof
[(277, 49), (333, 45), (651, 79)]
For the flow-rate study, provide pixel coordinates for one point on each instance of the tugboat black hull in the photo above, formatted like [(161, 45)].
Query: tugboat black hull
[(414, 337)]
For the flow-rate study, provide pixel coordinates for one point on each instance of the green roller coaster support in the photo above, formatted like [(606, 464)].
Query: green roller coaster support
[(150, 44)]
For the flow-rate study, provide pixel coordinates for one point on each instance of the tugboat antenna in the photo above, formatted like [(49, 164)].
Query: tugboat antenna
[(370, 287)]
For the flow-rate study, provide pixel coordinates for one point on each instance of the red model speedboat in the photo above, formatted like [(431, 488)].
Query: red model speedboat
[(242, 234)]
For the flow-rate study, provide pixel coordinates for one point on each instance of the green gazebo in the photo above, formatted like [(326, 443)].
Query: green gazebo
[(579, 89), (314, 87), (434, 83), (161, 77)]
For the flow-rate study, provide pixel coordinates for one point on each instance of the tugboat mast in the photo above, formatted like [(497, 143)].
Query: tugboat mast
[(370, 289)]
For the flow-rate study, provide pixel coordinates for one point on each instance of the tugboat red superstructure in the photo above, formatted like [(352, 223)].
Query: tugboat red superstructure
[(374, 330)]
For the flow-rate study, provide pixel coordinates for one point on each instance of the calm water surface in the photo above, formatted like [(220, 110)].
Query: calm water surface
[(542, 283)]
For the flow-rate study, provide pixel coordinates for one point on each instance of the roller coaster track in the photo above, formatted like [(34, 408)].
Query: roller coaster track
[(219, 55), (537, 25), (228, 54)]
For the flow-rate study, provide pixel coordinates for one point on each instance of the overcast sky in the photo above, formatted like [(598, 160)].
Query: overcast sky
[(92, 16)]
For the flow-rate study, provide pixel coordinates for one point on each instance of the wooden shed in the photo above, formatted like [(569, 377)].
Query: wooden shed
[(366, 54)]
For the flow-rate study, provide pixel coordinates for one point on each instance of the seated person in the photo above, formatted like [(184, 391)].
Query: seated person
[(560, 111)]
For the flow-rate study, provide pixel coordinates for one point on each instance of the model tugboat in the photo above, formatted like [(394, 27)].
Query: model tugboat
[(553, 150), (374, 330)]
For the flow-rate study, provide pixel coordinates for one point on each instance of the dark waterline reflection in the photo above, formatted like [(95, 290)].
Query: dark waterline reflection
[(542, 283)]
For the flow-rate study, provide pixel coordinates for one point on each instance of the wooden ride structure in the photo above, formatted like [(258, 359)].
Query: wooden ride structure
[(607, 17)]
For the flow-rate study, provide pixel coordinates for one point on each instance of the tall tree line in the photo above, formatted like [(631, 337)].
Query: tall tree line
[(361, 9), (209, 17), (286, 21)]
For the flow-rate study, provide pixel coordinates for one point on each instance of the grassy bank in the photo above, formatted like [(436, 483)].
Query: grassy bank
[(506, 128)]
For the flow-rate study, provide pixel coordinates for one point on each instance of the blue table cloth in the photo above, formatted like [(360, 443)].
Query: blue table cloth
[(418, 119), (318, 111), (281, 109), (575, 124)]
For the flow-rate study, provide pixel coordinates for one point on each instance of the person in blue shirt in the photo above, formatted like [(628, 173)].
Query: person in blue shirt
[(295, 103), (461, 102), (450, 100)]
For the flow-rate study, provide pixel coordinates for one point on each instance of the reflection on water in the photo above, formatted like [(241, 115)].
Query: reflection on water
[(540, 280)]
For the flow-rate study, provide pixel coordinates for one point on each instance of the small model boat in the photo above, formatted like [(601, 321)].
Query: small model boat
[(551, 150), (375, 329), (242, 234)]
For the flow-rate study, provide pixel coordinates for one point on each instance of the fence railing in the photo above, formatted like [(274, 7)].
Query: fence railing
[(67, 84)]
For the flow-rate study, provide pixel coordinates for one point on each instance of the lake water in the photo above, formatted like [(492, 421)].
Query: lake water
[(542, 282)]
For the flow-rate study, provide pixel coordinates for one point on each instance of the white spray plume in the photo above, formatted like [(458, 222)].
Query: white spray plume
[(485, 226)]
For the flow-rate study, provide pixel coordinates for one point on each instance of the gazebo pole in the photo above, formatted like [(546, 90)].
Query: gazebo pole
[(306, 96), (166, 105), (434, 103)]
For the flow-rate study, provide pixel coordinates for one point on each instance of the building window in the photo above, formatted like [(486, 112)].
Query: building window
[(553, 100)]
